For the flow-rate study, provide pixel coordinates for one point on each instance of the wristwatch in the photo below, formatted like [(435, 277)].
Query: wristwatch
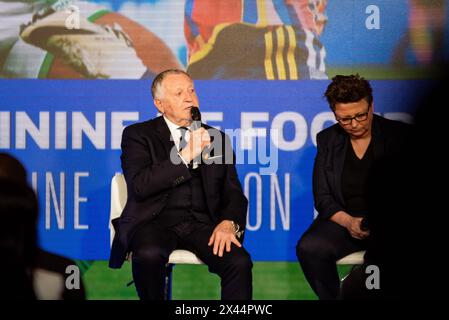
[(238, 233)]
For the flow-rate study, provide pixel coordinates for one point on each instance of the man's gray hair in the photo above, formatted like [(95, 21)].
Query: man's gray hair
[(157, 82)]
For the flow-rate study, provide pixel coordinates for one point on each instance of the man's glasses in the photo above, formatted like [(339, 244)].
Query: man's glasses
[(359, 118)]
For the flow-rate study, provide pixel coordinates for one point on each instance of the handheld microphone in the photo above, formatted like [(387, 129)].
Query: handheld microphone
[(196, 117), (196, 124), (364, 224)]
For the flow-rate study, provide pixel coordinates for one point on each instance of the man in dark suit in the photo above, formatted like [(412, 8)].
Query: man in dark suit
[(178, 198), (346, 153)]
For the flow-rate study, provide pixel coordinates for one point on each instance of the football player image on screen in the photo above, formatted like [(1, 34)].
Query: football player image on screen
[(426, 37), (37, 40), (263, 39)]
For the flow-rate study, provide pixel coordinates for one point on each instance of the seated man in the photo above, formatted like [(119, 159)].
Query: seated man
[(346, 153), (174, 202)]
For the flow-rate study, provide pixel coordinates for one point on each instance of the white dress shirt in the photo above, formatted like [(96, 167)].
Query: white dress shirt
[(176, 136)]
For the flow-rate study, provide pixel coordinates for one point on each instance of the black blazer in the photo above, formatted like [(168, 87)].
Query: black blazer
[(150, 177), (388, 137)]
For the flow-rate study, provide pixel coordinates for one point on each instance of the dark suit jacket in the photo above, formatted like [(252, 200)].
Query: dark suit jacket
[(150, 177), (388, 137)]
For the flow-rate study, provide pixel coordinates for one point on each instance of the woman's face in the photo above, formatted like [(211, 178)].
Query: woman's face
[(355, 118)]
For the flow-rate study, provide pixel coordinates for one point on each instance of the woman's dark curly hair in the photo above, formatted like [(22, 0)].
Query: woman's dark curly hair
[(346, 89)]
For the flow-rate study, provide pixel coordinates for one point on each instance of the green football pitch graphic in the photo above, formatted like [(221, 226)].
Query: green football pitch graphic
[(271, 281)]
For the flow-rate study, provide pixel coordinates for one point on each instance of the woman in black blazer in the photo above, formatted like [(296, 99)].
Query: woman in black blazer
[(346, 152)]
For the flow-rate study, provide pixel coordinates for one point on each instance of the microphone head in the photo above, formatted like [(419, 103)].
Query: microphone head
[(195, 112)]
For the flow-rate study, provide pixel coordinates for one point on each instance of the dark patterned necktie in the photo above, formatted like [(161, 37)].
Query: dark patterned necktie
[(182, 140)]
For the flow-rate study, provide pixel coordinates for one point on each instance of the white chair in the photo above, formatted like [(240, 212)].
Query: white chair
[(119, 195), (355, 258)]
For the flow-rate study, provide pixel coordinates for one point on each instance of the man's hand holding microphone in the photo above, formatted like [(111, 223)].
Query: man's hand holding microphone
[(199, 138)]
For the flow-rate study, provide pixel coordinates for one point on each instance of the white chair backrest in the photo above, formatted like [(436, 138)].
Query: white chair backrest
[(119, 193), (353, 258)]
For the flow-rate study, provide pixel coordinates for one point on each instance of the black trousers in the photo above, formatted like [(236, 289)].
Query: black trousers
[(318, 250), (153, 243)]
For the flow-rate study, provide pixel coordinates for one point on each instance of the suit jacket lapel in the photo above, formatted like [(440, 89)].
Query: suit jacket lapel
[(339, 154), (378, 139), (164, 135), (204, 170)]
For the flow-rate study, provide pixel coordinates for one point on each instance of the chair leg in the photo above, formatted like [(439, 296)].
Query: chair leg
[(168, 281), (355, 266)]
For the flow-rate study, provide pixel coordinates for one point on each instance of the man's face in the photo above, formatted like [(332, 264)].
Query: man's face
[(176, 98), (355, 118)]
